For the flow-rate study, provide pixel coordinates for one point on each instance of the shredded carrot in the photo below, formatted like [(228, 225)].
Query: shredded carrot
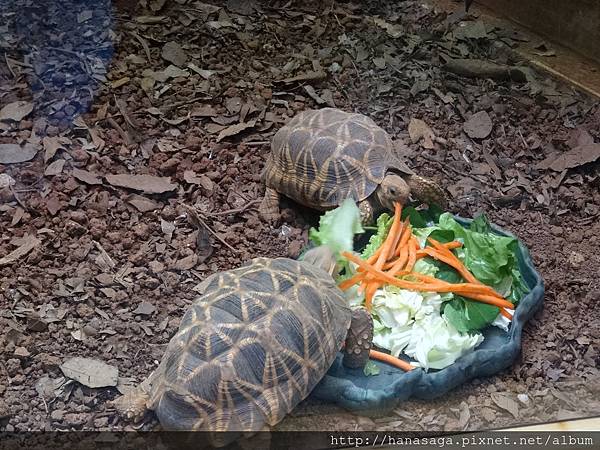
[(412, 254), (446, 256), (386, 247), (406, 233), (369, 293), (469, 290), (389, 359), (400, 262), (347, 284)]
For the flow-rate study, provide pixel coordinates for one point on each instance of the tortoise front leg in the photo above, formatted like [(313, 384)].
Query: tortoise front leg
[(133, 405), (359, 339), (367, 212), (427, 191), (269, 207)]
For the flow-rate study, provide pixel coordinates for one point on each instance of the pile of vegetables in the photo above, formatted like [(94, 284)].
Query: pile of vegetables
[(430, 283)]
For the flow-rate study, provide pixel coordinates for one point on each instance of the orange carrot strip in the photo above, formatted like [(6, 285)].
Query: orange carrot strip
[(347, 284), (506, 314), (386, 246), (491, 300), (452, 245), (454, 261), (412, 254), (369, 293), (400, 262), (389, 359), (465, 289), (406, 233)]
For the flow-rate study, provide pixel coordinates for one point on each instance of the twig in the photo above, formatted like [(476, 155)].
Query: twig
[(9, 66), (170, 106), (193, 215), (236, 210), (256, 143), (443, 167), (120, 130), (124, 113), (523, 139), (144, 45)]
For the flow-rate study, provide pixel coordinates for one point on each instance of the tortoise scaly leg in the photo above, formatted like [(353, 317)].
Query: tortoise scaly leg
[(366, 212), (359, 339), (427, 191), (269, 207)]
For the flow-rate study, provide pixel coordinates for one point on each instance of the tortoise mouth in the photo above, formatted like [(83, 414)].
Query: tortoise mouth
[(393, 189)]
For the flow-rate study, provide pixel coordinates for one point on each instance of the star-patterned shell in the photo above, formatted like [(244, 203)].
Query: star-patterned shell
[(321, 157), (251, 347)]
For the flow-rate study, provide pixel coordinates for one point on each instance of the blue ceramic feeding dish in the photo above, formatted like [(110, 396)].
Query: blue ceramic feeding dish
[(353, 390)]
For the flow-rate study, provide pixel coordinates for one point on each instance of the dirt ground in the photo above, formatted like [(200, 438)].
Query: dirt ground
[(106, 265)]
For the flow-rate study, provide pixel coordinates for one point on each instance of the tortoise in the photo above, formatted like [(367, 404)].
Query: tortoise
[(252, 346), (321, 157)]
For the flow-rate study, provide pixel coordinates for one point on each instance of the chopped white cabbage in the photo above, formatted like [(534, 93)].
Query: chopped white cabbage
[(411, 323)]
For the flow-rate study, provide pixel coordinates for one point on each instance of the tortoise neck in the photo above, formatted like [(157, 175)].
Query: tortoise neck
[(321, 257)]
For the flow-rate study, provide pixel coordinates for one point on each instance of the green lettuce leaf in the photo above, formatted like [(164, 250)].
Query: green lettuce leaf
[(489, 257), (371, 369), (338, 227), (468, 316), (384, 223)]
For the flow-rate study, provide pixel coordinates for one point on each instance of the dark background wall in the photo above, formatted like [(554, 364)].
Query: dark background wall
[(572, 23)]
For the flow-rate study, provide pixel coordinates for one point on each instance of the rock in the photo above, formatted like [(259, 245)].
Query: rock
[(57, 414)]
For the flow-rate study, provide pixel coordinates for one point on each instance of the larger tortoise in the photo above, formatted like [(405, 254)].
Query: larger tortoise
[(321, 157), (252, 346)]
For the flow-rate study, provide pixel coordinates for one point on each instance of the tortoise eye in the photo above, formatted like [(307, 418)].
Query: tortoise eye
[(393, 191)]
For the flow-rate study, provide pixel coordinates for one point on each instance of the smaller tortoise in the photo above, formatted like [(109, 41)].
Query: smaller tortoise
[(321, 157), (252, 346)]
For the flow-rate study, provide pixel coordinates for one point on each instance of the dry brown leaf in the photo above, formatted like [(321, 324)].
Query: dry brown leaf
[(505, 402), (479, 125), (29, 242), (16, 111), (90, 372), (203, 111), (173, 53), (145, 309), (14, 153), (142, 203), (417, 130), (86, 177), (308, 76), (55, 168), (187, 263), (146, 183), (575, 157), (51, 146), (235, 129)]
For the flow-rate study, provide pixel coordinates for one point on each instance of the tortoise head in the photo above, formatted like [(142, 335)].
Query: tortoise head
[(392, 189), (321, 257)]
